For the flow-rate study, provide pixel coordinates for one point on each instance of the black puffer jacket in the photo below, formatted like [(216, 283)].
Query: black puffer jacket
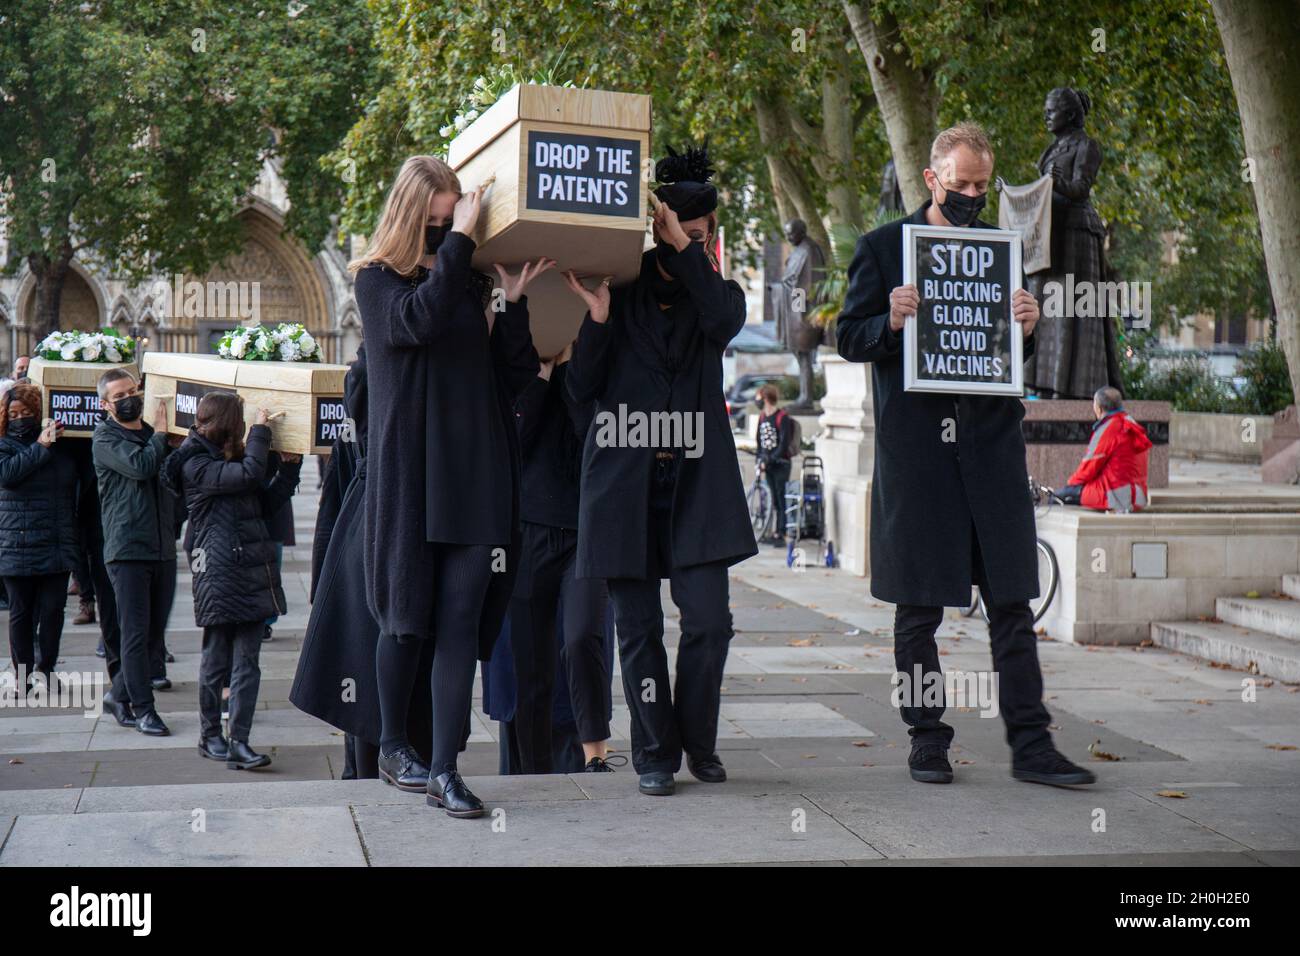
[(233, 557), (38, 509)]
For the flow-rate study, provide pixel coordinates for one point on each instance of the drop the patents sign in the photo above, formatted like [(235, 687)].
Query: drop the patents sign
[(963, 337), (577, 173)]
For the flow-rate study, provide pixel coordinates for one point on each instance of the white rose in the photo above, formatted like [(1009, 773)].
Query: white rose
[(306, 343), (68, 351), (112, 354), (90, 351), (238, 345)]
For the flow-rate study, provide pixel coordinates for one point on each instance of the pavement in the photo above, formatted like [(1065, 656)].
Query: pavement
[(1198, 764)]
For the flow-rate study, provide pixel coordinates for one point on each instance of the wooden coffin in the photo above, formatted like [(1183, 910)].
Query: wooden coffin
[(68, 392), (570, 168), (307, 395)]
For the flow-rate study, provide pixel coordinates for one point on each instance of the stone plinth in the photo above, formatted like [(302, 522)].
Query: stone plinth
[(1281, 453), (1217, 546), (1057, 433), (847, 447)]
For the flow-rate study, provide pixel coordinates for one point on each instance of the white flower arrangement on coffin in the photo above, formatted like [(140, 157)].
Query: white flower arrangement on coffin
[(287, 342), (107, 346)]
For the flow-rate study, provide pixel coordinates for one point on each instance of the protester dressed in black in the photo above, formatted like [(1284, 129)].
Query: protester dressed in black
[(673, 508), (236, 580), (552, 427), (442, 492), (38, 531)]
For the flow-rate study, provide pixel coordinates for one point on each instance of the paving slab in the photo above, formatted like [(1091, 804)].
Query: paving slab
[(284, 836)]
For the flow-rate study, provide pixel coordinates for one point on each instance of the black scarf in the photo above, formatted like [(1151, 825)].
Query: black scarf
[(664, 338)]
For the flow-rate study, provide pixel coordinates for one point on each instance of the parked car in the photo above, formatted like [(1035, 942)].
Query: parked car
[(740, 399)]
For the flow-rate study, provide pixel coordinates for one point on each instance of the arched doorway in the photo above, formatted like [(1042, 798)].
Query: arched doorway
[(79, 309), (272, 273)]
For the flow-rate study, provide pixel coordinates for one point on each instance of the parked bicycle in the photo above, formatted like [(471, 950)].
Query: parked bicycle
[(1049, 571)]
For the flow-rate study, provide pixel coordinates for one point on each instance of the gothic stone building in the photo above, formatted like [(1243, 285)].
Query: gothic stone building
[(293, 285)]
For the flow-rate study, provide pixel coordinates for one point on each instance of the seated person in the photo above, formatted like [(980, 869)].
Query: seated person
[(1113, 474)]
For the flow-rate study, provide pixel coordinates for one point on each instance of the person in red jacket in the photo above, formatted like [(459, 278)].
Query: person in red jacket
[(1113, 474)]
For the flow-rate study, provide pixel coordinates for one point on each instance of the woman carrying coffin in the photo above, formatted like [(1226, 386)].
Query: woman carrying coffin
[(442, 489), (650, 510)]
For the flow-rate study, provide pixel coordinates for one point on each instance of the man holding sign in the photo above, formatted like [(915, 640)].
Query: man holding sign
[(949, 501)]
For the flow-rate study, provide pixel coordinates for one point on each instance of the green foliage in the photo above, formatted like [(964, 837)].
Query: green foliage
[(1188, 383)]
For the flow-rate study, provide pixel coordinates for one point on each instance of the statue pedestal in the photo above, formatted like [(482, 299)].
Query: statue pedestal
[(1057, 433), (847, 448)]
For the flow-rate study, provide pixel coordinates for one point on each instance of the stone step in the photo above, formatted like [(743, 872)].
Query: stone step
[(1291, 585), (1277, 616), (1244, 648)]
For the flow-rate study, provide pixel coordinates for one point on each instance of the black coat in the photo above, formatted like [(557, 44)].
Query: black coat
[(552, 427), (236, 579), (928, 496), (38, 508), (614, 366), (443, 457), (339, 644)]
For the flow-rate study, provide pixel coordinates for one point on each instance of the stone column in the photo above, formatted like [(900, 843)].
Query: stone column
[(847, 446)]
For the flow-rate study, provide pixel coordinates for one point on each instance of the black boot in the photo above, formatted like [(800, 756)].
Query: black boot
[(404, 769), (160, 683), (214, 748), (448, 790), (928, 763), (1052, 768), (148, 722), (605, 764), (707, 769), (243, 757)]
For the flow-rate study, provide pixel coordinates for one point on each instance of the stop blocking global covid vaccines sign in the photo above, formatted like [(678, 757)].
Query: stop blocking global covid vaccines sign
[(963, 338)]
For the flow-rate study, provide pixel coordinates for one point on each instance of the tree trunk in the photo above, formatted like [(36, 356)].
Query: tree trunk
[(906, 96), (774, 135), (50, 276), (837, 144), (1263, 54)]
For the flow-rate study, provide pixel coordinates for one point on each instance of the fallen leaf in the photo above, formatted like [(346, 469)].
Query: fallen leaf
[(800, 642), (1174, 794), (1203, 702), (1094, 748), (861, 743), (1279, 747), (1252, 594), (964, 763), (13, 760)]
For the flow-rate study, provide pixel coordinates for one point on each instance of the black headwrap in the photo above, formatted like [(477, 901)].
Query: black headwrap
[(685, 182)]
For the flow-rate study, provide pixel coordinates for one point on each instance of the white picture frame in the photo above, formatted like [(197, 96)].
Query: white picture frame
[(913, 380)]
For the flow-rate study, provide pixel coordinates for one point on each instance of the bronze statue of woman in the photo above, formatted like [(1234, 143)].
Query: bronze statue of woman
[(1074, 355)]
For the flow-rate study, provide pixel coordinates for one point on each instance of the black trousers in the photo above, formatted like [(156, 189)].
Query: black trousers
[(463, 572), (778, 473), (143, 591), (230, 658), (663, 723), (547, 574), (360, 759), (36, 604), (1015, 661)]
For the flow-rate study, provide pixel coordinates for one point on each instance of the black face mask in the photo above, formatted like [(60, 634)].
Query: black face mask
[(960, 209), (24, 430), (433, 236), (128, 409)]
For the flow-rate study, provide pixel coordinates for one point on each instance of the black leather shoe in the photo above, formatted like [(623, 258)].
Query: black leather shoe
[(99, 649), (928, 763), (404, 769), (1052, 768), (657, 783), (707, 769), (161, 683), (214, 748), (266, 634), (243, 757), (148, 722), (169, 657), (448, 790), (122, 713)]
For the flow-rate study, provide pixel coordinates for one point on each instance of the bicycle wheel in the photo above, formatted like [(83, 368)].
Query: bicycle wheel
[(760, 508), (1049, 573)]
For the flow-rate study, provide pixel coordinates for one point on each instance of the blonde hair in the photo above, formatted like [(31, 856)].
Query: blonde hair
[(398, 241), (969, 135)]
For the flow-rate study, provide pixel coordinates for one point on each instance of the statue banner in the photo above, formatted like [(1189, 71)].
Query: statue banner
[(964, 337), (1028, 211)]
